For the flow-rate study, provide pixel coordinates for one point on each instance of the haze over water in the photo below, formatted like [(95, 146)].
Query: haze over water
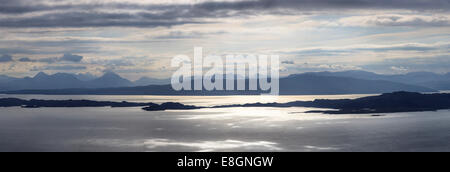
[(227, 129)]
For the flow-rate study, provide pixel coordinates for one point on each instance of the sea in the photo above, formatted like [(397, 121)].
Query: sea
[(216, 130)]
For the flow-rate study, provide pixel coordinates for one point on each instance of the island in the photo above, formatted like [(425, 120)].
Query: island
[(170, 106)]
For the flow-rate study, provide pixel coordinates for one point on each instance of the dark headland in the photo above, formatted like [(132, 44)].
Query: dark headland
[(385, 103)]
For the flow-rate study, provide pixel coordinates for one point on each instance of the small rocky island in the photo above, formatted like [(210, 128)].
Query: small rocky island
[(385, 103), (170, 106)]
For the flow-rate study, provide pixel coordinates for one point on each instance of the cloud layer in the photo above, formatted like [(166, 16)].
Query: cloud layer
[(89, 13), (396, 20), (139, 37), (65, 58)]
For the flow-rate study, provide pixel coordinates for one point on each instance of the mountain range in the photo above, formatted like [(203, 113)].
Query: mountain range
[(425, 79), (43, 81), (347, 82)]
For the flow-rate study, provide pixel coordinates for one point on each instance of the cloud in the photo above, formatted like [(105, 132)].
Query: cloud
[(90, 13), (335, 67), (65, 58), (27, 6), (60, 68), (316, 67), (132, 71), (66, 67), (329, 51), (438, 64), (5, 58), (25, 59), (113, 63), (45, 28), (96, 19), (289, 62), (396, 20), (71, 58), (11, 50), (188, 35), (399, 68)]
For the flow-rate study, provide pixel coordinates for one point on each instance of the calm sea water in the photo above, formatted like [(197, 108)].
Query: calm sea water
[(228, 129)]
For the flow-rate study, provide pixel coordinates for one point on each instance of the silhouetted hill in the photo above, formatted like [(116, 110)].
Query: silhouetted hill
[(4, 79), (425, 79), (391, 102), (315, 84), (171, 106)]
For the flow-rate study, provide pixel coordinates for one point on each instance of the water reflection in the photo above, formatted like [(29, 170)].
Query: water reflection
[(227, 129), (316, 148), (198, 146)]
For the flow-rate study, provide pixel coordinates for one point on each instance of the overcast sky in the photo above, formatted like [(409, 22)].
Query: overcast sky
[(139, 37)]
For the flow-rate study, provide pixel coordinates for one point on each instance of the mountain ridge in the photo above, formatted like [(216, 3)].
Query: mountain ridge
[(62, 81), (425, 79), (305, 84), (344, 82)]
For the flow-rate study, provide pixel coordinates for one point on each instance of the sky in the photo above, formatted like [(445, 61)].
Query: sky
[(137, 38)]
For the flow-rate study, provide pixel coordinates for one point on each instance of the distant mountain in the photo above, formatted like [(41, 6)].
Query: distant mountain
[(4, 79), (314, 84), (438, 85), (351, 74), (85, 76), (410, 78), (145, 81), (425, 79), (109, 80), (43, 81), (303, 84), (417, 77)]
